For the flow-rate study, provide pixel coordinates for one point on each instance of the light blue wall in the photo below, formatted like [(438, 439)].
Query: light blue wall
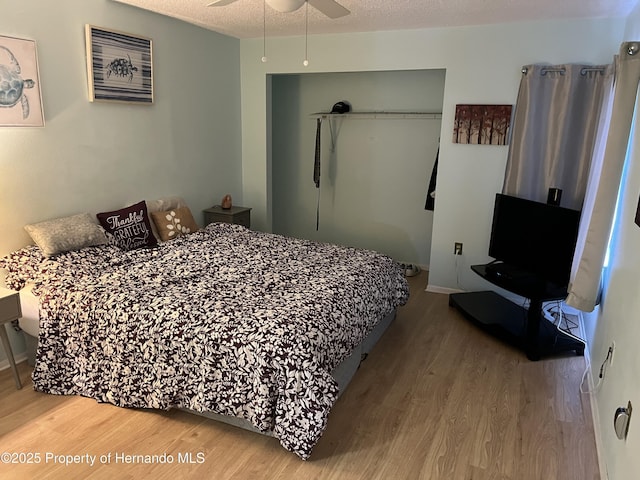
[(482, 66), (98, 156), (360, 159), (616, 320), (95, 156)]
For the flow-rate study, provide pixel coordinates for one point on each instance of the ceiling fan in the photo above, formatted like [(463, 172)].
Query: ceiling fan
[(330, 8)]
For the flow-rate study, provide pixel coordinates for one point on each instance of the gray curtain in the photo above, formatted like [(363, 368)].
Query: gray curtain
[(554, 130), (605, 179)]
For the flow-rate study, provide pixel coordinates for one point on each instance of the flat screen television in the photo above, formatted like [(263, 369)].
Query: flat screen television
[(534, 237)]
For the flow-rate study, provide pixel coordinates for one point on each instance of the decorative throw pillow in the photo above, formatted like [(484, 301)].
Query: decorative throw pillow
[(174, 223), (130, 227), (67, 233), (162, 204)]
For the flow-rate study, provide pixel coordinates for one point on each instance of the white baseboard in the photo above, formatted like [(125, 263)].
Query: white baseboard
[(19, 358), (423, 267), (595, 418), (445, 290)]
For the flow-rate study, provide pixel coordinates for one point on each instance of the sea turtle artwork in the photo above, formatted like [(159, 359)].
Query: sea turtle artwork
[(12, 85), (121, 67)]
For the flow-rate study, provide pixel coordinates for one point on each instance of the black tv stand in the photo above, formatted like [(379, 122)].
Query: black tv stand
[(524, 327)]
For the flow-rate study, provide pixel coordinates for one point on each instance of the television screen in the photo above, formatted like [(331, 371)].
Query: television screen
[(534, 237)]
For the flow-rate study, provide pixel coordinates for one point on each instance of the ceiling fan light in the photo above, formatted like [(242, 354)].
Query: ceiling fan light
[(285, 5)]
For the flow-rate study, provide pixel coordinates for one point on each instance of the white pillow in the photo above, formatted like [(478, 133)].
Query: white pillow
[(165, 203)]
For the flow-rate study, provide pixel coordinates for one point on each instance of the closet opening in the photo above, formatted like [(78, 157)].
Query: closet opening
[(376, 162)]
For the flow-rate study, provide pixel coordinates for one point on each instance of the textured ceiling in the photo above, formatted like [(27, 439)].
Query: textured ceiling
[(244, 18)]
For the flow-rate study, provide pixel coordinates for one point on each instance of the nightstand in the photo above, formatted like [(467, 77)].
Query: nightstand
[(238, 215), (9, 311)]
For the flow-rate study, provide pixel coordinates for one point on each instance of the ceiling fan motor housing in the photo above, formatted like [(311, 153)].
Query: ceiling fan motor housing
[(330, 8), (285, 6)]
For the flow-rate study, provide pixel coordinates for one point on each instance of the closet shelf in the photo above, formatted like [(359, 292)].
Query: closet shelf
[(381, 115)]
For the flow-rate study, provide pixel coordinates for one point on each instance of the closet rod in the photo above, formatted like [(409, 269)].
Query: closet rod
[(381, 114)]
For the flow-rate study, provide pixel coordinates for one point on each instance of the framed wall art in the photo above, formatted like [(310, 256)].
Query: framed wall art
[(119, 66), (20, 95), (482, 124)]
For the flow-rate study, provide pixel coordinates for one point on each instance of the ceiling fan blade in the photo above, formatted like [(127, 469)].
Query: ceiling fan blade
[(330, 8), (220, 3)]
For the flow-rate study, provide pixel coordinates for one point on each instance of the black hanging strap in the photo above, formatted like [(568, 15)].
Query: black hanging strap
[(316, 163), (316, 169), (431, 191)]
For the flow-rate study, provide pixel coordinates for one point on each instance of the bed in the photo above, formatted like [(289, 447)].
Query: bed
[(260, 330)]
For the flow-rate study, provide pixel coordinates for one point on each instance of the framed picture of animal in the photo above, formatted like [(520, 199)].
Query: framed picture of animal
[(119, 66), (20, 97)]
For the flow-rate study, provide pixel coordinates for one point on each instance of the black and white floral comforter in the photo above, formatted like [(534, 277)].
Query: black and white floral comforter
[(226, 320)]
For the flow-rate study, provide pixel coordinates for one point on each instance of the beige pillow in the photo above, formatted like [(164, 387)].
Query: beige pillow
[(161, 205), (174, 223), (66, 234)]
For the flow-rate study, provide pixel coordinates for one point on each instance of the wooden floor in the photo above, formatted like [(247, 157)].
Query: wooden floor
[(436, 399)]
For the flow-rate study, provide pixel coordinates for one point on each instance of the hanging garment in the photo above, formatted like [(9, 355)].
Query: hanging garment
[(431, 191), (316, 169), (316, 163)]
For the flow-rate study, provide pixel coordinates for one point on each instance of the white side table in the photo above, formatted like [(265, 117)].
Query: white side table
[(9, 310)]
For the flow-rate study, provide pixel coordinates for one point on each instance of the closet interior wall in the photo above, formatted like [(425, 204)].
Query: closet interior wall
[(374, 171)]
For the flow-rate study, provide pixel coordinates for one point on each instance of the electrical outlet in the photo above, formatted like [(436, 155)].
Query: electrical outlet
[(457, 248)]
